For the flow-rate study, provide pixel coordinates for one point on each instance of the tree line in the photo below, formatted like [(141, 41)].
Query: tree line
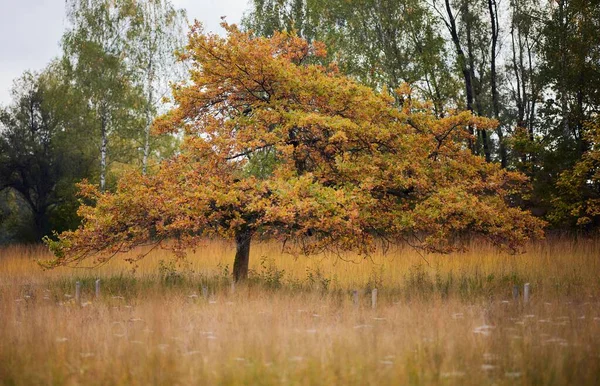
[(88, 114), (533, 66)]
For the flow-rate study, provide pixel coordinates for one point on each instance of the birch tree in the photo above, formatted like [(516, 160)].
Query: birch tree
[(157, 32), (95, 55)]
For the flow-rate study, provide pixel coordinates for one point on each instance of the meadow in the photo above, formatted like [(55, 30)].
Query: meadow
[(439, 319)]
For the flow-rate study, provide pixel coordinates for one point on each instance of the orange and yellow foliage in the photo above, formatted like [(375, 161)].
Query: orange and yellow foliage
[(277, 146)]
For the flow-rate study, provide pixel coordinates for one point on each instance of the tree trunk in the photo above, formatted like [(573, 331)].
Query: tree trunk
[(493, 75), (146, 141), (563, 70), (475, 85), (462, 60), (495, 97), (39, 219), (242, 255), (518, 71), (149, 102), (103, 151), (532, 93)]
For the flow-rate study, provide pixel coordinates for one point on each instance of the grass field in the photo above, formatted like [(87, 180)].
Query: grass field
[(449, 321)]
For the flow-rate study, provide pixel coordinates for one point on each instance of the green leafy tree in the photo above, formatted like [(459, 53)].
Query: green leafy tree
[(571, 70), (565, 89), (37, 160), (95, 48), (156, 32), (267, 17), (383, 43), (577, 198)]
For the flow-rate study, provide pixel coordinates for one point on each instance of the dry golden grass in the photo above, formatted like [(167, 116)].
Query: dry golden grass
[(450, 322)]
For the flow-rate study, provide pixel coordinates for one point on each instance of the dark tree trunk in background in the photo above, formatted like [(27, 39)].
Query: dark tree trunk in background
[(466, 71), (242, 255), (103, 151), (475, 84), (493, 8), (40, 221)]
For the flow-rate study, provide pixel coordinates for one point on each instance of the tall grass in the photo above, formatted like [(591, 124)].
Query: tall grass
[(558, 267), (450, 320)]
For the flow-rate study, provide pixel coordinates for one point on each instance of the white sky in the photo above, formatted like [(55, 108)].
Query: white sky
[(30, 31)]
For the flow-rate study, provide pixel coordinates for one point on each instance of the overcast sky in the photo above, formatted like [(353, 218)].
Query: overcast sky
[(30, 31)]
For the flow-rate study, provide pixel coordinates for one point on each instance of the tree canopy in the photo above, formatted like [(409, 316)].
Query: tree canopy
[(531, 65), (119, 58), (36, 161), (275, 147)]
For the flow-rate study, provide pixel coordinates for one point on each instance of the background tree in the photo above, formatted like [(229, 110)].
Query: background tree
[(36, 162), (269, 16), (95, 48), (524, 88), (382, 43), (568, 78), (105, 90), (156, 32), (578, 198), (465, 23), (345, 166), (536, 75)]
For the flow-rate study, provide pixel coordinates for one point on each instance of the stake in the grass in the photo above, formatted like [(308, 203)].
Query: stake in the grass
[(205, 292), (355, 298), (515, 292), (526, 293), (233, 286), (78, 292), (374, 298), (97, 289)]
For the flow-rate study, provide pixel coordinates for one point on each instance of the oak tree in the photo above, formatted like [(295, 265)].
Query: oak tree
[(278, 147)]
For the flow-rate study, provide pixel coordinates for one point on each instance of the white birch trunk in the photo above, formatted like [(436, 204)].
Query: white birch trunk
[(103, 153), (148, 118)]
